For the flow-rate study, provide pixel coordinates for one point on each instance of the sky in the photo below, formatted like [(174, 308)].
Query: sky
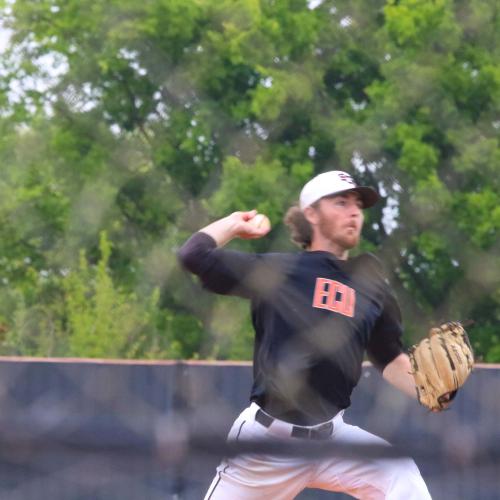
[(4, 37)]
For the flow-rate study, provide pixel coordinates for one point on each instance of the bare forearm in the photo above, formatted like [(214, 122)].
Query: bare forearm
[(222, 230), (398, 374)]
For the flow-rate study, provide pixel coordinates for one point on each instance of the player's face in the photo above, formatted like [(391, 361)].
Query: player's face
[(340, 219)]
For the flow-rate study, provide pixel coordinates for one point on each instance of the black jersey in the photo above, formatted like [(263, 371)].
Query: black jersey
[(314, 316)]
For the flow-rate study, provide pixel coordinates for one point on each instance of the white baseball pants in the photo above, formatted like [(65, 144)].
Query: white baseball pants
[(268, 477)]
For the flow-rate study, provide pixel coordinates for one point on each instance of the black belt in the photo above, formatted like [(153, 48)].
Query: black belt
[(319, 432)]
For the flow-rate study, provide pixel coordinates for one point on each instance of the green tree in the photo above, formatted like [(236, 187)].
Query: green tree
[(146, 120)]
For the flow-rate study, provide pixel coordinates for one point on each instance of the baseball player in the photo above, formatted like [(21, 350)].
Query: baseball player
[(315, 314)]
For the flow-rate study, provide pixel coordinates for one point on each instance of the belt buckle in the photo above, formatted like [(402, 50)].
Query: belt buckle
[(321, 432)]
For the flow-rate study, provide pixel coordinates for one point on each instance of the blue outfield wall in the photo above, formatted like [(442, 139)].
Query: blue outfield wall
[(105, 430)]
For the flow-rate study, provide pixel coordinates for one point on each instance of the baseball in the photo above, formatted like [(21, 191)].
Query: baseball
[(261, 221)]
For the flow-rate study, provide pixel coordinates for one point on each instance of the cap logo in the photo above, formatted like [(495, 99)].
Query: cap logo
[(346, 178)]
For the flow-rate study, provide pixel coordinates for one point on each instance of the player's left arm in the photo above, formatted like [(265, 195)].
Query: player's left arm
[(385, 348), (398, 374)]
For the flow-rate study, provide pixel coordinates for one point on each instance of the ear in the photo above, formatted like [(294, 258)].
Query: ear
[(311, 215)]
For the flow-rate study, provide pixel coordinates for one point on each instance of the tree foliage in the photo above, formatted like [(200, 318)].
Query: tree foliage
[(127, 125)]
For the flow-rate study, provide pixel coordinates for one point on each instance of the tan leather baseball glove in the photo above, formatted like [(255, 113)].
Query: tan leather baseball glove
[(441, 364)]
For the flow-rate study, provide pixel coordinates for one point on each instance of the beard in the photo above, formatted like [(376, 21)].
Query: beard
[(330, 230)]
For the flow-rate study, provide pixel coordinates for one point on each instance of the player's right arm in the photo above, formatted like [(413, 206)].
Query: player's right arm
[(225, 271), (236, 225)]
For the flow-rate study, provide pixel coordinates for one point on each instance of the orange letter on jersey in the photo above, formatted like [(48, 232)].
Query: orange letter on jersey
[(334, 296), (321, 293)]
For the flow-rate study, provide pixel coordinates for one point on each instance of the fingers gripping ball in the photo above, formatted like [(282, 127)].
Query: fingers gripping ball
[(262, 222), (441, 364)]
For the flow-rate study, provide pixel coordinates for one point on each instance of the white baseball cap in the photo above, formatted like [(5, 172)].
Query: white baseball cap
[(335, 182)]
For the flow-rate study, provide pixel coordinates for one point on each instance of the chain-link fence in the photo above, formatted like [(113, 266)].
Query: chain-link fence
[(78, 430)]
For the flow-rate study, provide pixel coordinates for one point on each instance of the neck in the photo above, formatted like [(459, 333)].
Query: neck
[(328, 246)]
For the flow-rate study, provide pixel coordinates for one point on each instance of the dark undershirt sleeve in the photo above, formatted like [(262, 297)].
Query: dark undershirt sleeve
[(221, 271), (385, 342)]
